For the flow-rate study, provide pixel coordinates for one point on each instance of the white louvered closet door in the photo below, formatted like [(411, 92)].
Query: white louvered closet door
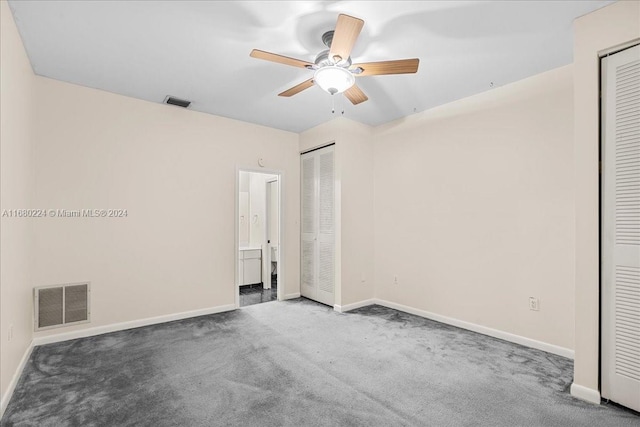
[(621, 228), (318, 224)]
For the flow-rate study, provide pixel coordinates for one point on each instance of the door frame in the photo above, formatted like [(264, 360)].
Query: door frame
[(267, 230), (336, 227), (281, 264)]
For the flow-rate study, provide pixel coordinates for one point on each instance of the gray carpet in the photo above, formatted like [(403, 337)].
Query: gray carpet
[(298, 363)]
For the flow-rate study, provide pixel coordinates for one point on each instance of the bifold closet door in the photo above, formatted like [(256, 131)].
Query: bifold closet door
[(318, 224), (621, 228)]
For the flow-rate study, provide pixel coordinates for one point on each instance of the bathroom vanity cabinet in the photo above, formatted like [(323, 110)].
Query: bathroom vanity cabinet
[(249, 266)]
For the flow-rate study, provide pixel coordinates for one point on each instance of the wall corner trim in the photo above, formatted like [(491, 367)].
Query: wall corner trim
[(14, 380), (114, 327), (585, 393), (353, 306)]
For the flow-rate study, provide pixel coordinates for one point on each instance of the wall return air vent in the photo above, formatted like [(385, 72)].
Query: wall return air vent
[(61, 305)]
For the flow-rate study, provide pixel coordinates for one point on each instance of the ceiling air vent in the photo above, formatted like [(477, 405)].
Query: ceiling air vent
[(61, 305), (172, 100)]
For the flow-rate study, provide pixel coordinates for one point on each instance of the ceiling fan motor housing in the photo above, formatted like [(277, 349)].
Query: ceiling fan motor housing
[(323, 60), (327, 38)]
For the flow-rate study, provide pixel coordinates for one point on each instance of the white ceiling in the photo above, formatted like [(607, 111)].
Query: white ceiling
[(199, 50)]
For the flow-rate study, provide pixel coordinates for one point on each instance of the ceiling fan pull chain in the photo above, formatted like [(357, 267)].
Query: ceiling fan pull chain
[(333, 104)]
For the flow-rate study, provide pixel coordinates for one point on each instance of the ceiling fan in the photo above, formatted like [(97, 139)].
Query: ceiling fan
[(333, 69)]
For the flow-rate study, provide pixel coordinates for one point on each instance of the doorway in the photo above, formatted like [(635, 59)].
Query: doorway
[(258, 237)]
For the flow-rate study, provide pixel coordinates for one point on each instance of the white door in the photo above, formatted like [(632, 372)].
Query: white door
[(272, 220), (318, 224), (621, 228)]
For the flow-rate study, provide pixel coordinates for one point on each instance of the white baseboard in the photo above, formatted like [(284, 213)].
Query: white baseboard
[(528, 342), (585, 393), (353, 306), (577, 390), (14, 380), (114, 327), (291, 296)]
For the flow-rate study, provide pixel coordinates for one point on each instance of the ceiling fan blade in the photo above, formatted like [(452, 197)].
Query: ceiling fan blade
[(355, 95), (401, 66), (273, 57), (297, 88), (345, 35)]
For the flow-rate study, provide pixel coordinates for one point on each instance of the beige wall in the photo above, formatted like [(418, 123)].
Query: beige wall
[(174, 171), (602, 29), (354, 204), (473, 201), (16, 114), (474, 209), (355, 159)]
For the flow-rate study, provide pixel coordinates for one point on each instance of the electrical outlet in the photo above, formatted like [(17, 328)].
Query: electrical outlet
[(534, 304), (10, 335), (395, 280)]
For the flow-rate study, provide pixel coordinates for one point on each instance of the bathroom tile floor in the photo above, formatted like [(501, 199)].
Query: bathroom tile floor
[(255, 294)]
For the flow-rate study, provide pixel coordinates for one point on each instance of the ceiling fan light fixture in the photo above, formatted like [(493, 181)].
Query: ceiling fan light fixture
[(333, 79)]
